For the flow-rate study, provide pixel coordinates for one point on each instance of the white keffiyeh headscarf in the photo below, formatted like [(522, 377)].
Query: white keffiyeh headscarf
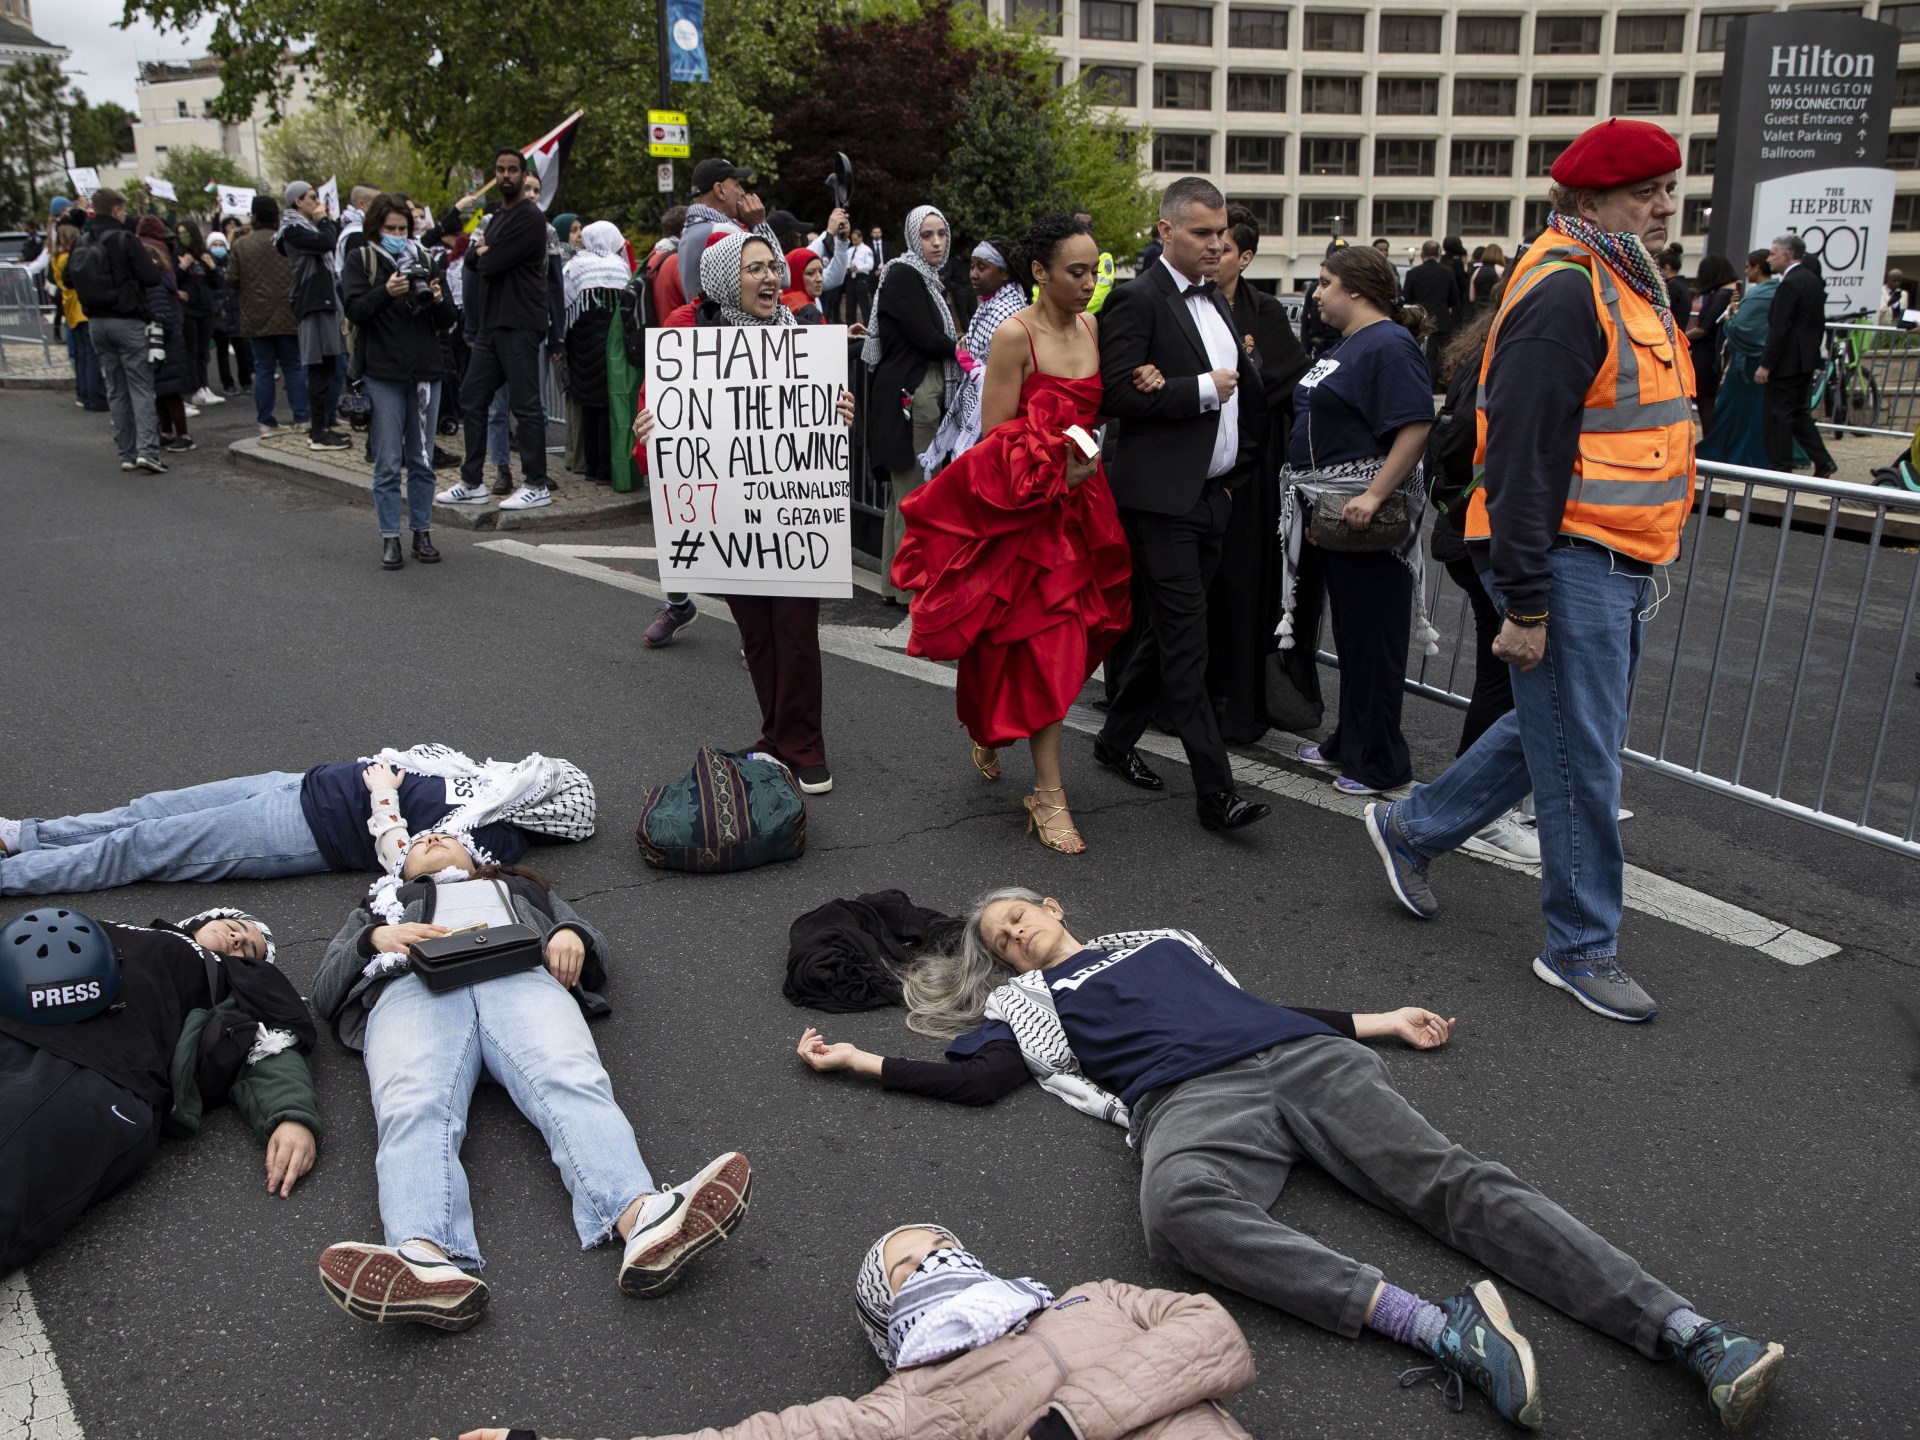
[(950, 1304), (914, 260), (600, 265), (720, 281)]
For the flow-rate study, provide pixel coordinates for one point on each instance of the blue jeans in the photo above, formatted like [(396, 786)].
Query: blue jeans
[(284, 351), (1562, 740), (402, 436), (425, 1054), (88, 386), (498, 451), (250, 828)]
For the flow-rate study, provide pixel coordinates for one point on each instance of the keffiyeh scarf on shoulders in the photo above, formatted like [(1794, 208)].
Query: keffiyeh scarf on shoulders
[(913, 260), (546, 796), (1625, 251), (1300, 490), (960, 427), (599, 265)]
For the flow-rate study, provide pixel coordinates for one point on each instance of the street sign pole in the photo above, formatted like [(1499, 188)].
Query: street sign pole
[(666, 86)]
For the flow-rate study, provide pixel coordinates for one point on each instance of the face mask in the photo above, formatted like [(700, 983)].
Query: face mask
[(219, 252), (394, 244)]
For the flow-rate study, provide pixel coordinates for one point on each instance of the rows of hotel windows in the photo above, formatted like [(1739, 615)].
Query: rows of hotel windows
[(1175, 89), (1416, 219), (1336, 31)]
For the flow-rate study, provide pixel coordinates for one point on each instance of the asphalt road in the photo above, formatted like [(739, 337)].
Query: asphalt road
[(1753, 1146)]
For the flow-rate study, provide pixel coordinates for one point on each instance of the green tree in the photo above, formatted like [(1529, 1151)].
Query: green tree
[(1103, 170), (1002, 165), (335, 139), (100, 134), (34, 114), (190, 167)]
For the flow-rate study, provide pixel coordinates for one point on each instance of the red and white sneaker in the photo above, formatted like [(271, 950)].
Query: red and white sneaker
[(676, 1225), (378, 1283)]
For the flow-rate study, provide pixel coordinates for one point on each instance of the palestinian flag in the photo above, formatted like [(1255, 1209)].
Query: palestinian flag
[(547, 157)]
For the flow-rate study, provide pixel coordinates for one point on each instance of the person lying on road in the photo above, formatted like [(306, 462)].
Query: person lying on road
[(113, 1035), (425, 1051), (976, 1357), (331, 817), (1223, 1093)]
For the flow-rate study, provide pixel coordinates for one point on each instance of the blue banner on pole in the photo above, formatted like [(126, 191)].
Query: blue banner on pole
[(687, 27)]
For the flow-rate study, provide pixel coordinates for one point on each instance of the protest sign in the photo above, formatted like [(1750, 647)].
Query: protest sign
[(330, 197), (85, 180), (749, 463), (236, 200), (160, 189)]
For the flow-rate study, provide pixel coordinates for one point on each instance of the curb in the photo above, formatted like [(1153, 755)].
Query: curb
[(36, 382), (602, 509)]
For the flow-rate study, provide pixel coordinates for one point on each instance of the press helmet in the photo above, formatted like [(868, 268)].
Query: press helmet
[(56, 967)]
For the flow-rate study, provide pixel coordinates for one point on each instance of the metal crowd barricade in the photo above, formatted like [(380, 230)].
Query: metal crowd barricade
[(1870, 380), (21, 319), (553, 399), (1778, 670), (868, 490)]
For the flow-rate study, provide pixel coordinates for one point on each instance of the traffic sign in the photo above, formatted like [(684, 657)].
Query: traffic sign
[(666, 177), (669, 136)]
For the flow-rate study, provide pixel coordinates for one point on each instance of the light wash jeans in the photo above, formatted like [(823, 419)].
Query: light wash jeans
[(425, 1054), (402, 436), (1562, 740), (250, 828)]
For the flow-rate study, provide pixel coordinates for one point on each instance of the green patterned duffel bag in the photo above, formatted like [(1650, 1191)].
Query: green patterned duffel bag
[(729, 812)]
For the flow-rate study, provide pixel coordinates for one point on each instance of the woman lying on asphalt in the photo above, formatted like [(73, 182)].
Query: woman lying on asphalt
[(332, 817), (113, 1035), (425, 1052), (975, 1357), (1223, 1093)]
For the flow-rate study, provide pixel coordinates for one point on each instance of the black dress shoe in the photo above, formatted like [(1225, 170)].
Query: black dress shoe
[(390, 556), (1129, 767), (1229, 810), (423, 550)]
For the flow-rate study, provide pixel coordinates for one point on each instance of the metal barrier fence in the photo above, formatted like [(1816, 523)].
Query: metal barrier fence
[(21, 320), (1869, 383), (1777, 671)]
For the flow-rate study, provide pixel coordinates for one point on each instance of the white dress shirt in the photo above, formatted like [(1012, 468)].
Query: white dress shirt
[(861, 258), (1217, 336)]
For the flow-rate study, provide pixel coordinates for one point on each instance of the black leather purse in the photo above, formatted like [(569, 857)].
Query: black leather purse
[(468, 957)]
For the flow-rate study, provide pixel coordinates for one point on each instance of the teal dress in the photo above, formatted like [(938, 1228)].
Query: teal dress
[(1737, 437)]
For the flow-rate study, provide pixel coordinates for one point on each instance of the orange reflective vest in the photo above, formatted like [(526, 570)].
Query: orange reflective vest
[(1633, 473)]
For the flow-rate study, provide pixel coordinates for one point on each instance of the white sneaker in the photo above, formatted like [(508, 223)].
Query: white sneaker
[(1506, 839), (210, 397), (191, 411), (462, 494), (528, 497), (676, 1225)]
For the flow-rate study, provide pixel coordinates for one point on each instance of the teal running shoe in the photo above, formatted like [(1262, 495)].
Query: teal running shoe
[(1480, 1347), (1736, 1369)]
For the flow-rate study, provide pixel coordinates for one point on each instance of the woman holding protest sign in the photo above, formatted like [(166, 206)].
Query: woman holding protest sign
[(1015, 553), (742, 277)]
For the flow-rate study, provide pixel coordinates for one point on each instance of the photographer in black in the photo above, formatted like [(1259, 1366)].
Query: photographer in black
[(397, 300)]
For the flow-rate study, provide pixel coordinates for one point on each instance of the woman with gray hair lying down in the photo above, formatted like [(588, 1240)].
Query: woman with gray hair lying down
[(976, 1357), (1223, 1093)]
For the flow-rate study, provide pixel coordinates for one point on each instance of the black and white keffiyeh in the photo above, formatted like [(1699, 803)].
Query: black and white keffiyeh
[(959, 428), (1300, 490), (599, 265), (267, 1040), (1025, 1006), (950, 1304), (547, 796), (720, 281)]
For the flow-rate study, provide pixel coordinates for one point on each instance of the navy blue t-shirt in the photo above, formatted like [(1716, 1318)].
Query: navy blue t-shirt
[(1357, 395), (337, 806), (1141, 1019)]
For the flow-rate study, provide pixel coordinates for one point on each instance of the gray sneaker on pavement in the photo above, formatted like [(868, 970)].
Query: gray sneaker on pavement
[(1406, 869), (1599, 984), (1505, 839)]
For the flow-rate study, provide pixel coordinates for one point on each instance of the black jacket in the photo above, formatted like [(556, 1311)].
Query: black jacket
[(1435, 288), (203, 286), (912, 337), (515, 270), (173, 375), (587, 349), (134, 266), (1164, 439), (1796, 324), (395, 341), (310, 288)]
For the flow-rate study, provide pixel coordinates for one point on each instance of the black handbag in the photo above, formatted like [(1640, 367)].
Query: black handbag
[(1388, 531), (468, 957)]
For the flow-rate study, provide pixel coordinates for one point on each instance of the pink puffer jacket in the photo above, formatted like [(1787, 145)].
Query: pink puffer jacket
[(1122, 1363)]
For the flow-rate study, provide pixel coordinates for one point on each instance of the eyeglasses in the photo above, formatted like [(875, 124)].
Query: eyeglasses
[(759, 270)]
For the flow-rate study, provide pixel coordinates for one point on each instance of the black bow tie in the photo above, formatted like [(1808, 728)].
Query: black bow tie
[(1204, 287)]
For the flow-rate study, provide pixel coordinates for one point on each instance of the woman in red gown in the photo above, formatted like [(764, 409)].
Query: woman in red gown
[(1014, 552)]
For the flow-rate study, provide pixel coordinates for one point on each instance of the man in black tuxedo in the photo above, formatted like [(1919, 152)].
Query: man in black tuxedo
[(1181, 452), (1796, 325), (1435, 288)]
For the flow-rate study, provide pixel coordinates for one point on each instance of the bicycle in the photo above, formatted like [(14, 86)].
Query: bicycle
[(1845, 387)]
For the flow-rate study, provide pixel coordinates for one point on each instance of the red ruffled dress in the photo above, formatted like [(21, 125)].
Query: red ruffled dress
[(1020, 579)]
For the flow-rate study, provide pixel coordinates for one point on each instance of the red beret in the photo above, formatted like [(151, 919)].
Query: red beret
[(1614, 153)]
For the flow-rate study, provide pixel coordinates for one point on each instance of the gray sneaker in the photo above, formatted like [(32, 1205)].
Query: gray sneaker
[(1599, 984), (1406, 869)]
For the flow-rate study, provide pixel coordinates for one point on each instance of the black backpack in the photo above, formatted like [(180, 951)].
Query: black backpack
[(89, 274), (637, 313)]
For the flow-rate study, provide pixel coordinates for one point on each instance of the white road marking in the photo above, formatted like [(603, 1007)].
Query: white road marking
[(863, 579), (885, 649), (34, 1404)]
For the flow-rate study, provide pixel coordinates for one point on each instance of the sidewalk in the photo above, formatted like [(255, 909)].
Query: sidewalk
[(24, 365), (577, 503)]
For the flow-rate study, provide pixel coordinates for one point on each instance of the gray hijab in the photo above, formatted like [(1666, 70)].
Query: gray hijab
[(720, 281)]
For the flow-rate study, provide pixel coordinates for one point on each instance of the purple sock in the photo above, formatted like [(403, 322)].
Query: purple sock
[(1402, 1315)]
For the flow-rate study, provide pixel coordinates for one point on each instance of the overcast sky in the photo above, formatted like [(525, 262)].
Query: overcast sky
[(103, 60)]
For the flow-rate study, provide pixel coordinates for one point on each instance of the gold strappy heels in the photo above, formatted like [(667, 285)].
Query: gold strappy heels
[(1052, 836), (989, 766)]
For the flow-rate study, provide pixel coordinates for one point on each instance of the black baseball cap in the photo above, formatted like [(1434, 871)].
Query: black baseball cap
[(785, 222), (709, 173)]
